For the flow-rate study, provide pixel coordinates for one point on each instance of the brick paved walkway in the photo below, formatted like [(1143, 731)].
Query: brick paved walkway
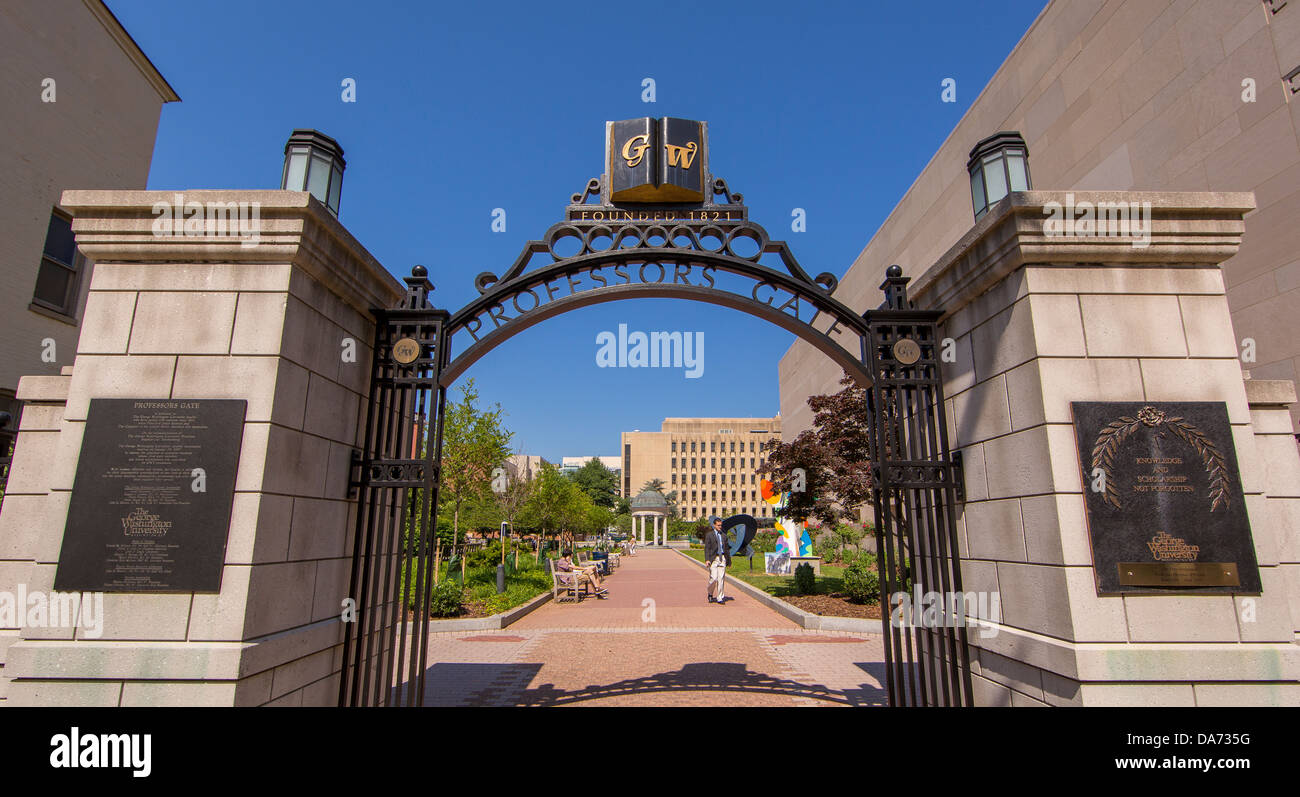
[(655, 642)]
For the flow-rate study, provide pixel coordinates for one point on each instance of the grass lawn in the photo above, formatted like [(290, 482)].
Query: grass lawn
[(480, 594), (831, 579)]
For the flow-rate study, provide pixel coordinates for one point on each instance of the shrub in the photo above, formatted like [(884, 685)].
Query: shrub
[(861, 583), (827, 550), (446, 599), (804, 579), (849, 557)]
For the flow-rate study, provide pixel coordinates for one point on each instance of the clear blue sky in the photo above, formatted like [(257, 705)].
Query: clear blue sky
[(466, 107)]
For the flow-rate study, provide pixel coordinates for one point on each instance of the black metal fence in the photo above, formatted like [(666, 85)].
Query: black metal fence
[(916, 484)]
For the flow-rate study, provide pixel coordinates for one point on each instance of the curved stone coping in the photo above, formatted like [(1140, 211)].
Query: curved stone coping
[(496, 621), (808, 620)]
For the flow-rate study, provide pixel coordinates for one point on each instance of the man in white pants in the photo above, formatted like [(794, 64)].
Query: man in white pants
[(718, 558)]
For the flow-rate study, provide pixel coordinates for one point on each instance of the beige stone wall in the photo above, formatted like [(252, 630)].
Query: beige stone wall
[(99, 133), (208, 318), (1039, 322), (1122, 95)]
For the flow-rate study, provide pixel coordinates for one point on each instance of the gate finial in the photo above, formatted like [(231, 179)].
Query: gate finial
[(895, 288), (418, 288)]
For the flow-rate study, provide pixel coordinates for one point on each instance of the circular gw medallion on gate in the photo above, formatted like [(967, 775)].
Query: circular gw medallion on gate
[(406, 351), (907, 351)]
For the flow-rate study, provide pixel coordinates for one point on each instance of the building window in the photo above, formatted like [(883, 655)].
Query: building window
[(692, 446), (692, 478), (674, 479), (59, 276), (674, 444), (751, 446)]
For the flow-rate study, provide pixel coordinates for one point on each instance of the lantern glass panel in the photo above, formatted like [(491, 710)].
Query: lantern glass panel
[(336, 186), (297, 171), (318, 179), (1019, 175), (995, 178), (977, 192)]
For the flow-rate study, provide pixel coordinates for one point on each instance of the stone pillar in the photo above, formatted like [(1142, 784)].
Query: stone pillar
[(1040, 320), (270, 321)]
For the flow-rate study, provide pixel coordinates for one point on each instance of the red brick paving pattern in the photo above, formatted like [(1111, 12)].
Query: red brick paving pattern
[(677, 650)]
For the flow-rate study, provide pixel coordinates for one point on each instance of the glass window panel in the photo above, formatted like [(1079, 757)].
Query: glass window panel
[(336, 187), (1019, 177), (59, 241), (977, 192), (318, 177), (995, 178), (297, 173), (52, 283)]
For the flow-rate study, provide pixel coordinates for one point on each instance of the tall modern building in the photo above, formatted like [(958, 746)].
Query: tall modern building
[(711, 463), (1125, 95), (82, 103)]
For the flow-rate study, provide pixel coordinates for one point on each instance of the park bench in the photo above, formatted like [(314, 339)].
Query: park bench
[(576, 587)]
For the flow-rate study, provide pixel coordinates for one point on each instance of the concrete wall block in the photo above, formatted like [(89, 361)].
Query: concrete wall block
[(41, 418), (71, 694), (178, 693), (1197, 380), (958, 375), (250, 378), (1124, 280), (168, 322), (290, 405), (981, 412), (1128, 326), (1060, 691), (29, 471), (1041, 390), (1265, 694), (331, 410), (1035, 598), (296, 463), (259, 323), (1281, 465), (977, 487), (144, 617), (1095, 619), (106, 325), (1137, 694), (989, 693), (319, 529), (994, 530), (191, 276), (1209, 326), (1056, 530), (1181, 618), (1267, 617), (221, 617), (253, 451), (333, 583), (301, 672), (259, 528), (324, 692), (277, 597), (311, 340), (100, 376)]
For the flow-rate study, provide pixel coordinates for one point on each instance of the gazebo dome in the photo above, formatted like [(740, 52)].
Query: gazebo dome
[(650, 502)]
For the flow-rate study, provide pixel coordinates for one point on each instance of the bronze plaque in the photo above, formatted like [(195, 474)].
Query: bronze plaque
[(406, 351), (1178, 574), (1163, 498), (150, 507)]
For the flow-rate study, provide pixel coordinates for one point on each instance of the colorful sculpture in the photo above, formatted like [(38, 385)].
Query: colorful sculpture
[(794, 539)]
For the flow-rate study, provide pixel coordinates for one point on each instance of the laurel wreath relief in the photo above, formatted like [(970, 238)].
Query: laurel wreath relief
[(1115, 433)]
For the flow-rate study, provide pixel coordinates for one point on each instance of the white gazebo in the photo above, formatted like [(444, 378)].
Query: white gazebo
[(651, 504)]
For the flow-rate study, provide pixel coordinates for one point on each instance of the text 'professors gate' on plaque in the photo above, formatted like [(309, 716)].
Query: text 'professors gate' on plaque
[(150, 507)]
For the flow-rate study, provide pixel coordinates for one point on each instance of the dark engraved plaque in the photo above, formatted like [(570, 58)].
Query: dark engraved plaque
[(150, 508), (1163, 496)]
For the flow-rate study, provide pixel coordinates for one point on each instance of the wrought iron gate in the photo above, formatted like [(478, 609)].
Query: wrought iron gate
[(916, 485), (396, 474)]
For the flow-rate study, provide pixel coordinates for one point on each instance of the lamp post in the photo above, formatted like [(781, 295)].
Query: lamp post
[(998, 165), (313, 162)]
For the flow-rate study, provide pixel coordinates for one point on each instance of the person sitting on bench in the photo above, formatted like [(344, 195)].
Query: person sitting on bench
[(565, 565)]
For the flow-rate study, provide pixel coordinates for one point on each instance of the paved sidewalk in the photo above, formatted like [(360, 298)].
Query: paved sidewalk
[(655, 642)]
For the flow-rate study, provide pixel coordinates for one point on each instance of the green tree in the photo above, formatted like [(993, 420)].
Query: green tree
[(553, 502), (598, 482), (656, 485), (473, 444)]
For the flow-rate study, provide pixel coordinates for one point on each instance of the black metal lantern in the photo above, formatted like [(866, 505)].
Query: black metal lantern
[(998, 165), (313, 162)]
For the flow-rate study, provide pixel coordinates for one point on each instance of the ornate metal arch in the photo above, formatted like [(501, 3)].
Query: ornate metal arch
[(623, 253)]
